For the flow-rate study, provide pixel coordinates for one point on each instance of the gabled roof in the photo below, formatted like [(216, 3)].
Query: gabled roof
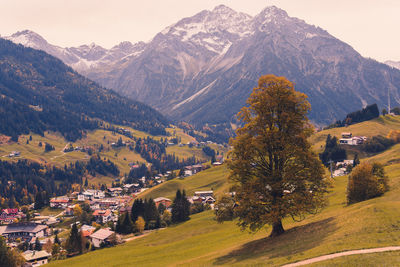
[(101, 212), (30, 255), (102, 234), (24, 227), (162, 199), (60, 200), (115, 189), (8, 211)]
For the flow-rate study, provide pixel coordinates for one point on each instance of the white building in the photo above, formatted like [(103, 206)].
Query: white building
[(36, 258), (100, 236)]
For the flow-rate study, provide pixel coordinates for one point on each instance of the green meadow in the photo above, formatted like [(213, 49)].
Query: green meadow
[(339, 227)]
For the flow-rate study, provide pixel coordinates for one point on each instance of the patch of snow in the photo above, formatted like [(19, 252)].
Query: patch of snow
[(310, 35)]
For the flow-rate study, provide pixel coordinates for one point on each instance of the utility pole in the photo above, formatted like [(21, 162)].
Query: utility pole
[(389, 100), (330, 164)]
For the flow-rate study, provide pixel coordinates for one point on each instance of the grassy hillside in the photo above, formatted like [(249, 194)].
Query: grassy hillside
[(378, 126), (203, 242), (120, 156), (214, 178)]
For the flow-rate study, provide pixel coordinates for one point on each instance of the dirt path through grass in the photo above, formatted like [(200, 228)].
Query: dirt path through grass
[(341, 254)]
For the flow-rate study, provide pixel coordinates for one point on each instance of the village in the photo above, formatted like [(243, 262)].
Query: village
[(94, 212)]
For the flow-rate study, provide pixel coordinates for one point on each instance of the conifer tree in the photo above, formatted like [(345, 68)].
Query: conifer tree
[(38, 246), (57, 240), (161, 208), (74, 242), (39, 203), (127, 224), (137, 209), (150, 213), (180, 207)]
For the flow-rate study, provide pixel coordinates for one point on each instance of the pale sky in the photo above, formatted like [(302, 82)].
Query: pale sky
[(369, 26)]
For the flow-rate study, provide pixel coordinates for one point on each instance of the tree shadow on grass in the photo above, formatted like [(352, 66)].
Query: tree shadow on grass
[(294, 241)]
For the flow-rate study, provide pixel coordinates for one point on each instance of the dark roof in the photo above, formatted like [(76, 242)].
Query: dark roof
[(24, 227)]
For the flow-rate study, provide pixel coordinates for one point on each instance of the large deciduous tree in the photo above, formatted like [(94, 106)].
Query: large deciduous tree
[(272, 166)]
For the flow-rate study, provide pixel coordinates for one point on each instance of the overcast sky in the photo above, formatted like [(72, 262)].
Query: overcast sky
[(369, 26)]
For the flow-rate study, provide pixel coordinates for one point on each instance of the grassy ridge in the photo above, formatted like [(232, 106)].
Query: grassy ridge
[(214, 178), (378, 126), (120, 156)]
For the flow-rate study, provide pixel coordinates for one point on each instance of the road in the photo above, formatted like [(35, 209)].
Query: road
[(143, 235), (342, 254)]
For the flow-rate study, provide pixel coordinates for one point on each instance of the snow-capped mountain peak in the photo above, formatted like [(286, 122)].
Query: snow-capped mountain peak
[(223, 9), (393, 64), (214, 30), (81, 58), (28, 38)]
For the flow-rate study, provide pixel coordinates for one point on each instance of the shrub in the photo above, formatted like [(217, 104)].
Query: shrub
[(394, 135), (48, 147), (377, 144), (367, 180)]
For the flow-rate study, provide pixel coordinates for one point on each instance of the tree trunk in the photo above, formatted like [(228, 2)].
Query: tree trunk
[(277, 229)]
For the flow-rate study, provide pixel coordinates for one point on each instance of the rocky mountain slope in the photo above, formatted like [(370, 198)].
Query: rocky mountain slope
[(203, 68), (39, 92)]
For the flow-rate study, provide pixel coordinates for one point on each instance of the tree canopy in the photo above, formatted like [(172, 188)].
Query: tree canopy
[(367, 180), (274, 171)]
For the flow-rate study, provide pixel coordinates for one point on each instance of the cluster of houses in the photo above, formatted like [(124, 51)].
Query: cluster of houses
[(27, 232), (104, 204), (190, 170), (124, 131), (203, 197), (30, 231), (349, 139), (341, 167), (199, 197), (76, 148), (193, 169), (10, 215)]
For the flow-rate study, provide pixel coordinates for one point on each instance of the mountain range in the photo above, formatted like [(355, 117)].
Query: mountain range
[(203, 68), (39, 92)]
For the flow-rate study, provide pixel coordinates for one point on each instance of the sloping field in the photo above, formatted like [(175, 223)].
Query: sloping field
[(203, 242), (214, 178)]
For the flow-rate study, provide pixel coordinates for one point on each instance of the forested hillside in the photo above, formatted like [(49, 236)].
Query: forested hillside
[(39, 92)]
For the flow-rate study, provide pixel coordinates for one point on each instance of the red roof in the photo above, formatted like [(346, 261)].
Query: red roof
[(59, 200), (101, 212), (10, 211), (86, 233)]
